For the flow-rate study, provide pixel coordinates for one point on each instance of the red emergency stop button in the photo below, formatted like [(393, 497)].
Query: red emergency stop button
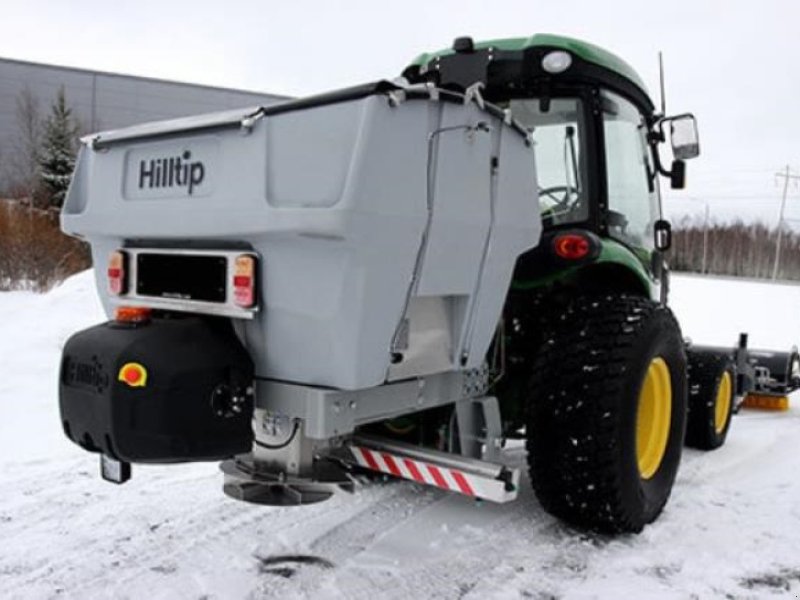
[(133, 374)]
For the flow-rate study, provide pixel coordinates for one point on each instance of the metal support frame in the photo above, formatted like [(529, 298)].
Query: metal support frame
[(480, 429), (327, 413), (303, 439)]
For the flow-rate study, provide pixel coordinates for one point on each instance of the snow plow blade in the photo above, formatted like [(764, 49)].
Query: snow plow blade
[(764, 378)]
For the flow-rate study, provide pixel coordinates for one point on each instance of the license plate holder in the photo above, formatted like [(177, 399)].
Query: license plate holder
[(192, 277)]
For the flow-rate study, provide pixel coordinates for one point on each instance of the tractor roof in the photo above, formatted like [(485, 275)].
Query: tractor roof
[(584, 50)]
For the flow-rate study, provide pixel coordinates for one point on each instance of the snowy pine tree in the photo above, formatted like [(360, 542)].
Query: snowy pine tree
[(57, 158)]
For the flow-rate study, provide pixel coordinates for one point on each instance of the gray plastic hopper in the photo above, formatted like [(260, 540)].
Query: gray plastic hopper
[(387, 219)]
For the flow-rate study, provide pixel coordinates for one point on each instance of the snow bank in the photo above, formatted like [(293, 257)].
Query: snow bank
[(715, 310), (33, 332)]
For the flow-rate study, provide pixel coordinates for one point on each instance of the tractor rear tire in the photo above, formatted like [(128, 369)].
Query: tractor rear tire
[(607, 413), (711, 399)]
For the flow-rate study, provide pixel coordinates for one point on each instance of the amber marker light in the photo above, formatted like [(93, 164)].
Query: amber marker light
[(132, 314)]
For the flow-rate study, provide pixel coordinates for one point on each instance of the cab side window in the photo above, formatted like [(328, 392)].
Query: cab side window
[(632, 187), (561, 171)]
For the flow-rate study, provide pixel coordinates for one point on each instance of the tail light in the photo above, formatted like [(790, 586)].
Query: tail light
[(117, 273), (244, 281), (572, 246)]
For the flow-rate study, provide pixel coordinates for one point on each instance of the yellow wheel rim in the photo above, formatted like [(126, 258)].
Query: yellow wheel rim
[(653, 418), (723, 403)]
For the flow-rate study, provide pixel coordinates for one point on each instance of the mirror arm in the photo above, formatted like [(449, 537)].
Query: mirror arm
[(657, 159), (656, 134), (676, 175)]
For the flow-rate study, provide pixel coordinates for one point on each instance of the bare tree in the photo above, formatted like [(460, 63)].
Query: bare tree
[(22, 166), (737, 249)]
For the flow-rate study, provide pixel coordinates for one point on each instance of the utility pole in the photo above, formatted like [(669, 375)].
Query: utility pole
[(787, 177), (705, 240)]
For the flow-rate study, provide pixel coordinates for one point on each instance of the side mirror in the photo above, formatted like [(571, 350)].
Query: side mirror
[(684, 137), (685, 145), (663, 235)]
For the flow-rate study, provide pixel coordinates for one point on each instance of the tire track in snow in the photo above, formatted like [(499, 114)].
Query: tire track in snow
[(347, 539), (437, 548), (443, 552), (381, 537), (192, 525)]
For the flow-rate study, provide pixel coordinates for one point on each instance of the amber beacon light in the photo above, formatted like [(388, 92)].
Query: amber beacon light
[(132, 314)]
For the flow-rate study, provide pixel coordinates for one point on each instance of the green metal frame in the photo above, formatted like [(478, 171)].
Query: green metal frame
[(612, 252)]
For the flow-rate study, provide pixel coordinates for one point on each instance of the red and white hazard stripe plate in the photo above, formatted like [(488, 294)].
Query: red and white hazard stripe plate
[(448, 478)]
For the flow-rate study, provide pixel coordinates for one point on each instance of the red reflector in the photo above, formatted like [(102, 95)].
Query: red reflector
[(132, 314), (117, 282), (571, 246), (244, 281)]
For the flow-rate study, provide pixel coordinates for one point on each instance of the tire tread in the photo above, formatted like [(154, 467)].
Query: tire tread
[(574, 422)]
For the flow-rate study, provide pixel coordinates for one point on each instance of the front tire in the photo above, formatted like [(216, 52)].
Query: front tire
[(607, 413), (711, 399)]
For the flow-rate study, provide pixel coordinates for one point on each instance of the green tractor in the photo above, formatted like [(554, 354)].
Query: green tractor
[(595, 369), (364, 280)]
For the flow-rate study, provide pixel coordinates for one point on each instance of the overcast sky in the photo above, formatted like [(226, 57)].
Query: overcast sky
[(734, 64)]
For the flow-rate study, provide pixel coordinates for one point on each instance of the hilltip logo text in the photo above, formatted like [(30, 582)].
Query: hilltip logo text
[(176, 171)]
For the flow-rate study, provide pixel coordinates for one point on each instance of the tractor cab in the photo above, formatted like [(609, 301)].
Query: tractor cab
[(597, 147)]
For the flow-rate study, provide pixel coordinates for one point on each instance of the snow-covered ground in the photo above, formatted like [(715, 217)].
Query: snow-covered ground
[(731, 530)]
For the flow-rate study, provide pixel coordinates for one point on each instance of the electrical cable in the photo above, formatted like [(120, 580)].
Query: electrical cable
[(284, 444)]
